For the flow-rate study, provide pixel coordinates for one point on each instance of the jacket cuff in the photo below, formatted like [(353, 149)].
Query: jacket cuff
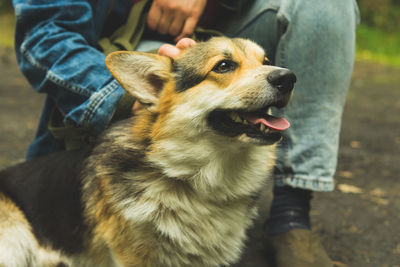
[(101, 107)]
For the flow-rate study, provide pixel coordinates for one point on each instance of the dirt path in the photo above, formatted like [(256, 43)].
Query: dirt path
[(359, 223)]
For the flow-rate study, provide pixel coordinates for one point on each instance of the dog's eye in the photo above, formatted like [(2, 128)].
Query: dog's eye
[(266, 61), (225, 66)]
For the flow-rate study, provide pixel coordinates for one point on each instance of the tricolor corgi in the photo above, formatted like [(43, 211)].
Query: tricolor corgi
[(173, 185)]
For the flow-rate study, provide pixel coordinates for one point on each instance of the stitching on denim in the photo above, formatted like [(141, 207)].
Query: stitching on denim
[(52, 76), (96, 100), (282, 53), (69, 85), (30, 58), (317, 184)]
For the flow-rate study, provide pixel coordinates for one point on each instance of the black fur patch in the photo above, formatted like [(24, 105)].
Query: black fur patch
[(119, 158), (48, 191), (186, 77), (118, 162)]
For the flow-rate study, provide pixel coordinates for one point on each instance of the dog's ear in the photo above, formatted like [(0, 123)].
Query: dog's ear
[(142, 75)]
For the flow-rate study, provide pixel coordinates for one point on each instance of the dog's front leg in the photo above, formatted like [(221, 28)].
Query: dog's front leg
[(130, 244)]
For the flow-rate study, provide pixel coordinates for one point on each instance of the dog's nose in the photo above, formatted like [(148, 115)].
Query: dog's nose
[(283, 79)]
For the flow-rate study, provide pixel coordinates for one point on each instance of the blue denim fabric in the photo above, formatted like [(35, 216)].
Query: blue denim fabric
[(315, 39), (56, 44)]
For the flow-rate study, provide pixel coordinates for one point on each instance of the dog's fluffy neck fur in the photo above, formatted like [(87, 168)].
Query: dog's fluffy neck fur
[(206, 180), (214, 166)]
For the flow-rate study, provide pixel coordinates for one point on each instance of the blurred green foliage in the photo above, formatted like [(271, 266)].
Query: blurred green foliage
[(381, 14), (378, 36), (7, 22), (377, 45)]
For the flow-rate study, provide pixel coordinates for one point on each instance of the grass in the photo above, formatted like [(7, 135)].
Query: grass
[(378, 46), (7, 22)]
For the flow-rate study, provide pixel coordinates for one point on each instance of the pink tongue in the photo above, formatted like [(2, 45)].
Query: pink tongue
[(275, 123)]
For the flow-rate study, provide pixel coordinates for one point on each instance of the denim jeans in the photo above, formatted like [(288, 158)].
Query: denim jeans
[(315, 39)]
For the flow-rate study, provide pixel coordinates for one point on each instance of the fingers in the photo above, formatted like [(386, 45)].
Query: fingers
[(175, 17), (169, 50), (167, 17), (188, 28), (166, 20), (185, 43), (174, 51), (176, 26), (154, 16)]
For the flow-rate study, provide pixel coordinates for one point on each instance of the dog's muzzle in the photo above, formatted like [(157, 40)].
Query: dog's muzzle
[(258, 124), (282, 79)]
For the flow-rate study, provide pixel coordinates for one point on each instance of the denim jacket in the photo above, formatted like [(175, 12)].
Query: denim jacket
[(56, 47)]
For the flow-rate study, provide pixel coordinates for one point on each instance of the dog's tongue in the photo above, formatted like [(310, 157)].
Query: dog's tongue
[(275, 123)]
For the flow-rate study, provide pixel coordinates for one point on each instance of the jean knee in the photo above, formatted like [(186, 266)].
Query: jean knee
[(333, 21)]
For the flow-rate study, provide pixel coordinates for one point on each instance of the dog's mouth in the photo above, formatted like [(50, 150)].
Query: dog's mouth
[(257, 125)]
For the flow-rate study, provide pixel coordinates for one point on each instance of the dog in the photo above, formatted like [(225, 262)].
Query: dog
[(174, 185)]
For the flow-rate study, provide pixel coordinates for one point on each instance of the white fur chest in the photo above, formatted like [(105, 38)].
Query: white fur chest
[(209, 235), (206, 224)]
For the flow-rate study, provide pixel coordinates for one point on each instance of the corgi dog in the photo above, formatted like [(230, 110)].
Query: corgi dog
[(174, 185)]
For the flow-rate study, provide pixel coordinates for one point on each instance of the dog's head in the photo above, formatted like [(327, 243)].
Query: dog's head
[(222, 87)]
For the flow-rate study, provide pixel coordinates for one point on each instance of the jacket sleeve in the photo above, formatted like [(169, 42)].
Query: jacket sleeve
[(56, 50)]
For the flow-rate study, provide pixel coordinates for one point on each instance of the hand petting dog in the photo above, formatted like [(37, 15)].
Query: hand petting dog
[(173, 51)]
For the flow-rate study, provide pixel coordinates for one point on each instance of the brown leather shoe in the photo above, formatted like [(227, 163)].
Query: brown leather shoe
[(299, 248)]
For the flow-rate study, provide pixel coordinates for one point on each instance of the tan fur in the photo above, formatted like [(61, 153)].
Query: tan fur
[(181, 194)]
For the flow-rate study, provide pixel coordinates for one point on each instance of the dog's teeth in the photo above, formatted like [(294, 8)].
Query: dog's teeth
[(245, 122), (267, 130), (262, 127), (236, 118)]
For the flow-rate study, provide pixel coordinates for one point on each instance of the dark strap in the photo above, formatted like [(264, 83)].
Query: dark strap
[(74, 137)]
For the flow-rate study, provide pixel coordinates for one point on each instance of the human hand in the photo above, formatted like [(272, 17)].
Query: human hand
[(173, 51), (177, 18)]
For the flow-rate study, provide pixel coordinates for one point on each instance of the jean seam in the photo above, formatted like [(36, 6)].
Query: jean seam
[(282, 20), (52, 76), (96, 100), (68, 85), (306, 182), (31, 59)]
